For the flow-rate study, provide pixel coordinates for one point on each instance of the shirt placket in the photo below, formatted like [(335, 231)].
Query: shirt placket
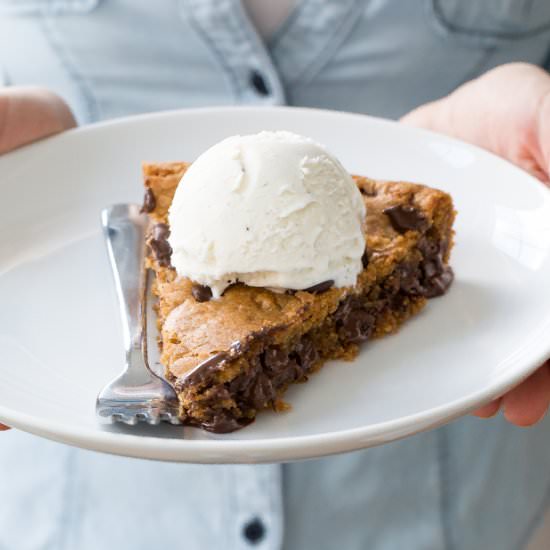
[(229, 34), (255, 514)]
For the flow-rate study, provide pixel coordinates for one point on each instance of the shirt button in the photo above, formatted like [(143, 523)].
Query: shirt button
[(258, 82), (254, 531)]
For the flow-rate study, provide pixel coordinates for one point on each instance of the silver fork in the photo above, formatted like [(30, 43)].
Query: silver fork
[(137, 394)]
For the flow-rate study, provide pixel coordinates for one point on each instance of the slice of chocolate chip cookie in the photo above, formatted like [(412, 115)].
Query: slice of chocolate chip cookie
[(231, 357)]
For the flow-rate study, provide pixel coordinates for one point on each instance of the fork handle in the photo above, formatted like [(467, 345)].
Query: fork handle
[(124, 229)]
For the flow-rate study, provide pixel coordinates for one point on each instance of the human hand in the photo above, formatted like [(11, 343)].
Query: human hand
[(28, 114), (507, 111)]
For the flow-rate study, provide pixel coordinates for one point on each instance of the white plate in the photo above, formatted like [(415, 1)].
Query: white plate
[(60, 339)]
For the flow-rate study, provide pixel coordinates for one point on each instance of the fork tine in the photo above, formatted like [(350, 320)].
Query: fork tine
[(171, 418), (129, 419), (153, 418), (106, 418)]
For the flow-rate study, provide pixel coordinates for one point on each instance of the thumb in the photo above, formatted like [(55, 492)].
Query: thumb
[(3, 428), (28, 114), (432, 116)]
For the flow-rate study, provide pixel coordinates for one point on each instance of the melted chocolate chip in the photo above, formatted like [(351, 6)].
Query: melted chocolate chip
[(242, 346), (280, 366), (261, 392), (409, 281), (428, 247), (201, 293), (430, 269), (405, 217), (149, 202), (274, 369), (436, 276), (305, 353), (202, 373), (343, 310), (241, 384), (291, 373), (254, 389), (274, 359), (438, 284), (320, 287), (223, 422), (160, 232), (162, 251), (357, 326), (365, 259), (398, 302)]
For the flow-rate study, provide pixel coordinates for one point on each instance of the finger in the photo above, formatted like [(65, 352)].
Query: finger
[(28, 114), (430, 115), (528, 403), (489, 410), (3, 428)]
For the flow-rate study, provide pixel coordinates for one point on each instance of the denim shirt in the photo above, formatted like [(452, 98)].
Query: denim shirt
[(468, 486)]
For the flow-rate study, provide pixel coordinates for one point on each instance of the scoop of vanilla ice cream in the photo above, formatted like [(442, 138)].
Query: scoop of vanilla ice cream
[(273, 209)]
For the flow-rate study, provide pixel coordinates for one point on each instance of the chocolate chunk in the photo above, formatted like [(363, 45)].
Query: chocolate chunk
[(202, 373), (365, 259), (149, 202), (223, 422), (274, 359), (438, 285), (159, 244), (160, 232), (320, 287), (201, 293), (254, 388), (239, 347), (282, 368), (261, 392), (162, 251), (305, 353), (357, 326), (398, 302), (343, 309), (428, 247), (437, 276), (242, 383), (409, 279), (291, 373), (405, 217), (430, 269)]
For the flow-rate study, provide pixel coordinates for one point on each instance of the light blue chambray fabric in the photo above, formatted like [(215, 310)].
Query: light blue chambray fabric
[(471, 485)]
